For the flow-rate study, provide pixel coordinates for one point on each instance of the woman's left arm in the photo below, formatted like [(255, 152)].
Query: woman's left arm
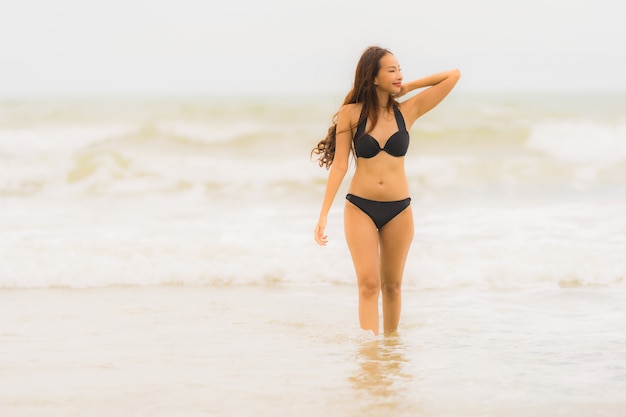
[(439, 85)]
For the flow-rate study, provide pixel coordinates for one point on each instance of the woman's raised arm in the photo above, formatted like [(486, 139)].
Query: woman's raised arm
[(439, 85)]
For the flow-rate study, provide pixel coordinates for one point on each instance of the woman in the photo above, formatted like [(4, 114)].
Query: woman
[(378, 221)]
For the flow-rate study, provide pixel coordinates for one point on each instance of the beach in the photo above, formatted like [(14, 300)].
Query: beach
[(285, 350), (157, 259)]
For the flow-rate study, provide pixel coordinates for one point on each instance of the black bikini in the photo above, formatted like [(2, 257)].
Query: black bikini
[(381, 212), (365, 146)]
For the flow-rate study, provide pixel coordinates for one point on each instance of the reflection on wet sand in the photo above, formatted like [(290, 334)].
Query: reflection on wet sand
[(381, 380)]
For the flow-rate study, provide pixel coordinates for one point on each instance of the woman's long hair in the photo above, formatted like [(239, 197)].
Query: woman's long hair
[(363, 91)]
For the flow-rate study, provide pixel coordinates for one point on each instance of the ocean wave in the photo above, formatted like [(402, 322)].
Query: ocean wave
[(84, 262), (164, 166), (197, 240), (215, 132), (580, 141), (44, 140), (112, 148), (207, 195)]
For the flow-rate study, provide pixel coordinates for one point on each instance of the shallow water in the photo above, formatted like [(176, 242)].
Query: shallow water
[(296, 350)]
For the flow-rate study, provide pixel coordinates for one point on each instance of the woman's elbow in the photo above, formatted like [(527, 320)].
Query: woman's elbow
[(339, 167)]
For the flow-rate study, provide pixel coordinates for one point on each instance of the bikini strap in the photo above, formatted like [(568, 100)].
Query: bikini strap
[(399, 118), (360, 129)]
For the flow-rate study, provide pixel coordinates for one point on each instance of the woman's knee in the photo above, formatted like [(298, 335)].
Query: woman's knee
[(369, 286), (391, 289)]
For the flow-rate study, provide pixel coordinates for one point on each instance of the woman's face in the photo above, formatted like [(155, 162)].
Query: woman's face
[(389, 77)]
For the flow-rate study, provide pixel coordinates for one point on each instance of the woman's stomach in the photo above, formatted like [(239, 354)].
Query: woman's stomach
[(381, 183)]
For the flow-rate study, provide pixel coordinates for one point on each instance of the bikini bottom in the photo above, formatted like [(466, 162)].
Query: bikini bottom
[(381, 212)]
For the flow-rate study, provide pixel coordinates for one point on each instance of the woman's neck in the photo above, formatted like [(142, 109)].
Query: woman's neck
[(383, 99)]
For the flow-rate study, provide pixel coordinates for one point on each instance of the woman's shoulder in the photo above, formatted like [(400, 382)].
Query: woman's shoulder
[(351, 111)]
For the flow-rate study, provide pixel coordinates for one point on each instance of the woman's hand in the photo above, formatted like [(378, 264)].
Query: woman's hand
[(319, 235), (403, 90)]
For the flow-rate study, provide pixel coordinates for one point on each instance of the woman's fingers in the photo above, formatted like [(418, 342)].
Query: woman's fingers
[(320, 237)]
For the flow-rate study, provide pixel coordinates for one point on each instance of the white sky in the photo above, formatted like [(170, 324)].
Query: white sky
[(253, 46)]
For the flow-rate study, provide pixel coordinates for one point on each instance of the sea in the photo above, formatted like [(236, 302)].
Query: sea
[(157, 259)]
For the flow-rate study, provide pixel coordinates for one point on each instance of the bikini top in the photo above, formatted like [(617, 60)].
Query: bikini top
[(366, 146)]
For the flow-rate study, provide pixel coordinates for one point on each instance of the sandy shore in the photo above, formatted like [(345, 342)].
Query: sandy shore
[(296, 350)]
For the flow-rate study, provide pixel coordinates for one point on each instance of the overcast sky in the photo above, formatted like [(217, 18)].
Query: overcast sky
[(258, 46)]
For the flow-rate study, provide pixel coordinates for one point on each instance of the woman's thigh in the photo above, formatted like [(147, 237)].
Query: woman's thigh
[(395, 241), (362, 239)]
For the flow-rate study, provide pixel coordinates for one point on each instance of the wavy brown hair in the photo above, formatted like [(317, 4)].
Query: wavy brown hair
[(363, 91)]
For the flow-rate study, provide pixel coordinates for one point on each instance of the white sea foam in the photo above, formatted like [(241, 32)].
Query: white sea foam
[(168, 198), (197, 241), (38, 140), (580, 141), (209, 132)]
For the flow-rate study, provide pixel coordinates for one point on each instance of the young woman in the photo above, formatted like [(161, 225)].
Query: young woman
[(378, 221)]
